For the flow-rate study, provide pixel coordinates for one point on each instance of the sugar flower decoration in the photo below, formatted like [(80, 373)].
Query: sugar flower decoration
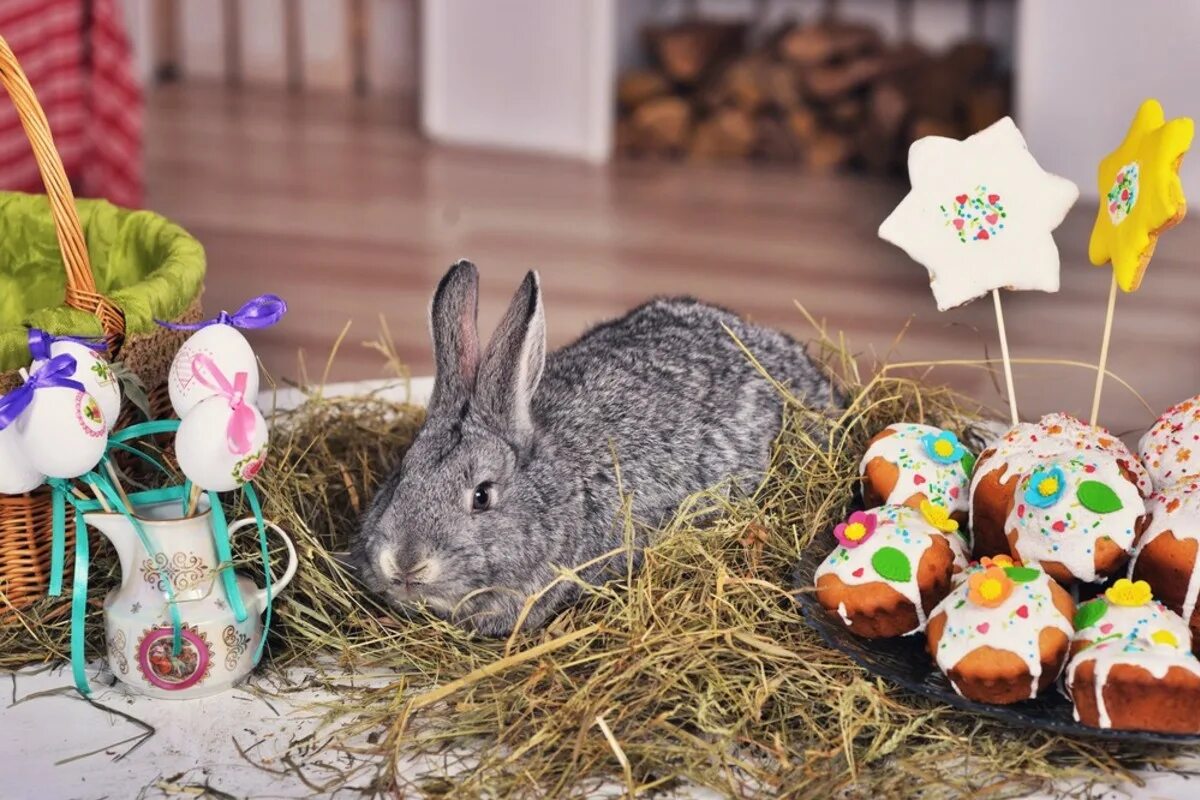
[(1140, 193), (1045, 486), (1165, 637), (855, 530), (1001, 561), (989, 587), (944, 447), (939, 517), (980, 215), (1128, 593)]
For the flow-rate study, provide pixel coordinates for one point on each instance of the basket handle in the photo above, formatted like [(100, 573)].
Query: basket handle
[(81, 286)]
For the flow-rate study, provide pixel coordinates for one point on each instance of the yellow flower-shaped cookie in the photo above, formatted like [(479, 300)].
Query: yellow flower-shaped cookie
[(1140, 193)]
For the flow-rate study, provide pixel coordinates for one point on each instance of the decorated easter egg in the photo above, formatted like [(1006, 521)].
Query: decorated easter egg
[(17, 475), (63, 432), (219, 447), (227, 348), (95, 374)]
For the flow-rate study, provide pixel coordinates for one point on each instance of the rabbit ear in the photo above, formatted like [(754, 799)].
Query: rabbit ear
[(512, 366), (452, 317)]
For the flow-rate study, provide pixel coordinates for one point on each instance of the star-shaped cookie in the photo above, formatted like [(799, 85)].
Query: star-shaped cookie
[(1140, 193), (980, 215)]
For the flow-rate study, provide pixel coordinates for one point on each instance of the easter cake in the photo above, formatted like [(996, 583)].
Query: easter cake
[(1030, 445), (908, 463), (1127, 610), (1136, 684), (1170, 450), (1077, 515), (891, 566), (1167, 555), (1002, 635)]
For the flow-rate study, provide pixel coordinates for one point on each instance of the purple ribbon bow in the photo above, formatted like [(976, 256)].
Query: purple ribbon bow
[(40, 341), (261, 312), (56, 373)]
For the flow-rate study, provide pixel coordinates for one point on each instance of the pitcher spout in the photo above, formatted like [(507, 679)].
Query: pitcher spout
[(118, 530)]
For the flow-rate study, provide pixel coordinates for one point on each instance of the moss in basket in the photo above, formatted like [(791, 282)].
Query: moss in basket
[(696, 669)]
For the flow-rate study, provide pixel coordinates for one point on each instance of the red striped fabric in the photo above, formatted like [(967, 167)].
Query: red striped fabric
[(80, 64)]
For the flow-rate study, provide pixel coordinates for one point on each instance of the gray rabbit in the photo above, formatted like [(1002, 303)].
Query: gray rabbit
[(512, 476)]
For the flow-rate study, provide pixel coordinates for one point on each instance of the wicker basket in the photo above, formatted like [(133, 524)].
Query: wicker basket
[(25, 521)]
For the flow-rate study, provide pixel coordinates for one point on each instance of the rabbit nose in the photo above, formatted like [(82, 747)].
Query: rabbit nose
[(408, 572)]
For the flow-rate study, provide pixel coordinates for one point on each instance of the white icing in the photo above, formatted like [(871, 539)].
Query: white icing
[(942, 484), (1177, 510), (1135, 622), (969, 627), (1015, 249), (1067, 532), (1031, 444), (1170, 450), (1155, 659), (906, 530)]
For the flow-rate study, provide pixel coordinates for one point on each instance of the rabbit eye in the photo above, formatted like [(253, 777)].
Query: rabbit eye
[(482, 499)]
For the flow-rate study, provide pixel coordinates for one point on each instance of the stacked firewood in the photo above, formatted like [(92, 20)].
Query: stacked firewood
[(826, 95)]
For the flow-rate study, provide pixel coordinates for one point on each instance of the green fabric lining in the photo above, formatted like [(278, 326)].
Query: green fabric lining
[(147, 265)]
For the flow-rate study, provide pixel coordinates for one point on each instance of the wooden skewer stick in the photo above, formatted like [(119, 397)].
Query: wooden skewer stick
[(1008, 375), (100, 497), (1103, 366), (193, 500), (116, 482)]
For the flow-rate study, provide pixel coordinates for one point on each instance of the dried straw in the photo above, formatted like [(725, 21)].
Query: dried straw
[(698, 669)]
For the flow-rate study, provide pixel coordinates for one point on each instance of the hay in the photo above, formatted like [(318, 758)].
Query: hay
[(697, 669)]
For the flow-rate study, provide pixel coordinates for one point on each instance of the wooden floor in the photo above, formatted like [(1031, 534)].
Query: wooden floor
[(338, 206)]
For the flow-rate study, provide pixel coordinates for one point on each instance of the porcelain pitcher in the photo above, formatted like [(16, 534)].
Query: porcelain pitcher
[(217, 651)]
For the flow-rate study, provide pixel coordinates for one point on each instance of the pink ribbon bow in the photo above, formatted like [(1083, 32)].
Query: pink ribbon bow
[(240, 431)]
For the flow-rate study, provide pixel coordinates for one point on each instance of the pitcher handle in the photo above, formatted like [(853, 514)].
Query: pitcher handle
[(279, 585)]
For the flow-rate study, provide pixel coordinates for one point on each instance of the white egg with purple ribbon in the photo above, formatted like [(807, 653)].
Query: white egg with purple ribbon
[(60, 427), (17, 475), (96, 375), (226, 347)]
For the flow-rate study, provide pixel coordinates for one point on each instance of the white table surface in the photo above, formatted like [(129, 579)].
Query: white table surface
[(54, 744)]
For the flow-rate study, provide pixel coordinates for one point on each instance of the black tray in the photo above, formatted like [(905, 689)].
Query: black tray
[(903, 661)]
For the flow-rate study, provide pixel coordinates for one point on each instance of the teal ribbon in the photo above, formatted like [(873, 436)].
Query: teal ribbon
[(256, 508), (220, 525), (79, 591), (79, 587), (225, 554), (58, 534)]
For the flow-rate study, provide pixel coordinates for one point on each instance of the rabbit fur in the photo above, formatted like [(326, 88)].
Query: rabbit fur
[(514, 474)]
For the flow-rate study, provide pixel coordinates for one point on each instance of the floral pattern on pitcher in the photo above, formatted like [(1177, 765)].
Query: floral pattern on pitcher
[(116, 652), (237, 642), (165, 669), (182, 571)]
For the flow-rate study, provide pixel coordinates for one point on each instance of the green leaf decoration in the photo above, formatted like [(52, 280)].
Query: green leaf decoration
[(892, 565), (132, 388), (968, 462), (1098, 498), (1022, 574), (1089, 614)]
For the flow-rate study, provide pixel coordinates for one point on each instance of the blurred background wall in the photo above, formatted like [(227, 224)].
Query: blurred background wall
[(344, 152)]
